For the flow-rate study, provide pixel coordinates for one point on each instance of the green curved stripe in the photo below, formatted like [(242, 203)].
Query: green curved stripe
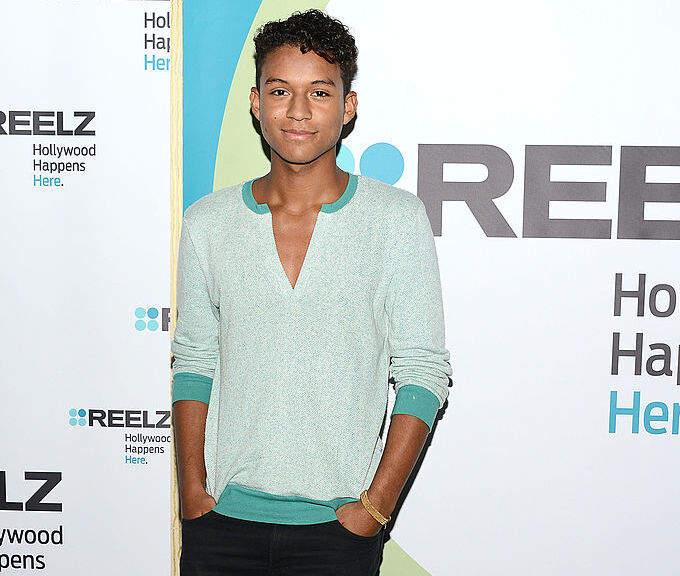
[(239, 152), (396, 562)]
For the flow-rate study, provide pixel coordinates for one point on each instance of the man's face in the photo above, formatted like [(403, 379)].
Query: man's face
[(300, 104)]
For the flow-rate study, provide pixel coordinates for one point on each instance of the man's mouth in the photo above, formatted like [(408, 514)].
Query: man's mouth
[(298, 134)]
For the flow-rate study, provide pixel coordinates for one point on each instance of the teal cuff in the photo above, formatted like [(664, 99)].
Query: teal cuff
[(416, 401), (190, 386)]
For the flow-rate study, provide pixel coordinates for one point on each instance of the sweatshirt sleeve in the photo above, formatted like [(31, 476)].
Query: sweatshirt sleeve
[(419, 359), (195, 343)]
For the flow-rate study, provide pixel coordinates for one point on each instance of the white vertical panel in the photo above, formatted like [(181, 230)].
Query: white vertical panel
[(77, 260)]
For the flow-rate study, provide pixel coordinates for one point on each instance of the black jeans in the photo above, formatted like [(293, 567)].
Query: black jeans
[(214, 544)]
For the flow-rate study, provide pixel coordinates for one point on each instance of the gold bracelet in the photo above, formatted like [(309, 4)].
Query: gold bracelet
[(371, 509)]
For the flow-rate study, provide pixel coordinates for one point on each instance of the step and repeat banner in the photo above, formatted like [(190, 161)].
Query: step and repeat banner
[(543, 138), (85, 446)]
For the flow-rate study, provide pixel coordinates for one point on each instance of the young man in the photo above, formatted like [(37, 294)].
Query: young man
[(298, 293)]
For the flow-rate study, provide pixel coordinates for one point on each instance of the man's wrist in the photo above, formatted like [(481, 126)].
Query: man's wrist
[(380, 501), (192, 489)]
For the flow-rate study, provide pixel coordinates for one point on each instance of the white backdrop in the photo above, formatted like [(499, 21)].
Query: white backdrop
[(78, 260), (523, 475)]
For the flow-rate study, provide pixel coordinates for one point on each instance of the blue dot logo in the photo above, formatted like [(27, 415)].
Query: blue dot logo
[(380, 161), (383, 162), (77, 417), (146, 319), (345, 159)]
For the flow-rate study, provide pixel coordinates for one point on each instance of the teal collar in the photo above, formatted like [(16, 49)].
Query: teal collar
[(345, 197)]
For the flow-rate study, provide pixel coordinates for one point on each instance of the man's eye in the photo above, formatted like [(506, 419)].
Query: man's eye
[(320, 93), (278, 92)]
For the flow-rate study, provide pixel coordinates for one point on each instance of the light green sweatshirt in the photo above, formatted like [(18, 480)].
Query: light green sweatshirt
[(296, 380)]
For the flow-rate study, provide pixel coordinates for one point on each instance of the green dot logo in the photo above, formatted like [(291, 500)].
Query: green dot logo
[(77, 417), (146, 319)]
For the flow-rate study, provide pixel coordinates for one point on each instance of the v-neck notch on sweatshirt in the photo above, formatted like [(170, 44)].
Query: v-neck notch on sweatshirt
[(326, 208)]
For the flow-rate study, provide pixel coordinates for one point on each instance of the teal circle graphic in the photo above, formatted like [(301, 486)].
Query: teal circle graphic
[(152, 312), (152, 325), (81, 413), (345, 159), (140, 325), (72, 412), (383, 162), (81, 422), (72, 421), (140, 312)]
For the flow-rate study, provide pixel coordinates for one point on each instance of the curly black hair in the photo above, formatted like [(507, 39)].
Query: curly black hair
[(311, 30)]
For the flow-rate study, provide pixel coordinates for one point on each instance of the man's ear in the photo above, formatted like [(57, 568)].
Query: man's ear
[(350, 106), (255, 102)]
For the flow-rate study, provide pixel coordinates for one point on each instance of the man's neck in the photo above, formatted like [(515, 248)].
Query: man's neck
[(298, 188)]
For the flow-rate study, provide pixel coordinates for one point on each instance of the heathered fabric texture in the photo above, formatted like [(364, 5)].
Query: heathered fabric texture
[(300, 376)]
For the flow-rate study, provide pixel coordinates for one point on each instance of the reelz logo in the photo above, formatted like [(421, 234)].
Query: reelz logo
[(92, 417), (540, 190), (147, 319), (42, 123), (27, 537), (36, 502)]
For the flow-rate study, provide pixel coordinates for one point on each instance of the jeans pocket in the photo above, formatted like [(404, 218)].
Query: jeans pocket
[(347, 532), (198, 518)]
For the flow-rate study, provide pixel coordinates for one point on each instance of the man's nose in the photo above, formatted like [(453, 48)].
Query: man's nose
[(299, 108)]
